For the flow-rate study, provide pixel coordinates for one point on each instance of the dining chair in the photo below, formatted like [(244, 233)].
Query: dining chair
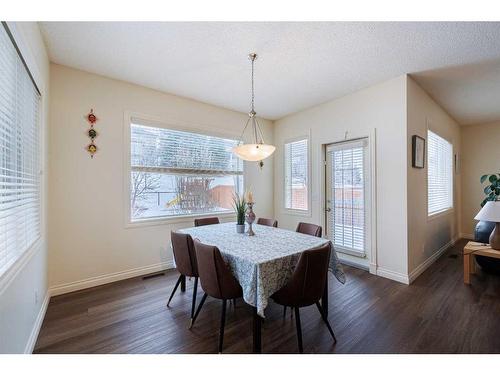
[(311, 229), (216, 280), (206, 221), (268, 222), (306, 286), (185, 261)]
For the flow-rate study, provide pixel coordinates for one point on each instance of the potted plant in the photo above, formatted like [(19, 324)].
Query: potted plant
[(492, 189), (240, 207)]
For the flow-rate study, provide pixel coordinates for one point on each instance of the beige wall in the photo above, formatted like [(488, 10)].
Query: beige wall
[(480, 155), (89, 243), (23, 289), (378, 112), (426, 236)]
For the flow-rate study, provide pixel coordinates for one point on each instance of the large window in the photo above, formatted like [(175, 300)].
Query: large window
[(439, 174), (296, 175), (178, 173), (347, 184), (19, 156)]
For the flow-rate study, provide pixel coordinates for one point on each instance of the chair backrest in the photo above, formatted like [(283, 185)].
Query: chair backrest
[(215, 277), (184, 253), (307, 283), (311, 229), (268, 222), (206, 221)]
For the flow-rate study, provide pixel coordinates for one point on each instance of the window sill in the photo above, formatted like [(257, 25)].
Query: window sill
[(354, 253), (439, 214), (176, 219), (11, 272)]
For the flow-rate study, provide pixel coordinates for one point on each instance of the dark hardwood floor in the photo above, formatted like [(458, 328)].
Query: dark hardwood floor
[(369, 314)]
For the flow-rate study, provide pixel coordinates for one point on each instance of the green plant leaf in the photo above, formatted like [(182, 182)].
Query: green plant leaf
[(484, 177), (493, 178), (487, 189), (484, 202), (497, 191)]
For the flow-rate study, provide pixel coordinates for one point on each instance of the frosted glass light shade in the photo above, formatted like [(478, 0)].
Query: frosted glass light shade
[(490, 212), (254, 151)]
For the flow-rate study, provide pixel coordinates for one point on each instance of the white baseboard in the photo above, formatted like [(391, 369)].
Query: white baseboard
[(427, 263), (396, 276), (109, 278), (30, 345)]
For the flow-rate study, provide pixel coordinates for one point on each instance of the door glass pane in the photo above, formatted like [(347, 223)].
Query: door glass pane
[(346, 196)]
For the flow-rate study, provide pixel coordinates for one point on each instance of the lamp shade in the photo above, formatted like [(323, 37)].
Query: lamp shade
[(490, 212), (254, 151)]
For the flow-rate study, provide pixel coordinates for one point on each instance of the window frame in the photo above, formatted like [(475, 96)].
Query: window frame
[(146, 120), (30, 64), (295, 211), (448, 210)]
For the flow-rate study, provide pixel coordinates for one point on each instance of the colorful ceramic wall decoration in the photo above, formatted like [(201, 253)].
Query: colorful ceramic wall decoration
[(91, 147)]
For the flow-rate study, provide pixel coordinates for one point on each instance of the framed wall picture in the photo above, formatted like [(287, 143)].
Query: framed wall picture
[(418, 152)]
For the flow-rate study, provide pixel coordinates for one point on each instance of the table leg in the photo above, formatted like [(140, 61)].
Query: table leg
[(257, 339), (467, 268), (472, 264), (324, 299)]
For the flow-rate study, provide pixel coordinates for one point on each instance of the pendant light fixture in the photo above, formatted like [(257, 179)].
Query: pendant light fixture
[(258, 150)]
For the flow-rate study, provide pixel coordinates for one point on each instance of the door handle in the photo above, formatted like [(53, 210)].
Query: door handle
[(328, 209)]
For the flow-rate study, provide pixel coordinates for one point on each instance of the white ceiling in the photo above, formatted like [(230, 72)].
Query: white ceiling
[(300, 64)]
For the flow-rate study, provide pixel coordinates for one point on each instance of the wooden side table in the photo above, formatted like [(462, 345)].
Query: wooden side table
[(470, 251)]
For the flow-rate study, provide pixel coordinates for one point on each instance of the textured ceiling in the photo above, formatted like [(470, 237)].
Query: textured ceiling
[(300, 64)]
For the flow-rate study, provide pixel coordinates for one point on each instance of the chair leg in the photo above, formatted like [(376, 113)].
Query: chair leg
[(299, 329), (193, 304), (222, 324), (325, 319), (175, 288), (284, 312), (198, 309), (183, 284)]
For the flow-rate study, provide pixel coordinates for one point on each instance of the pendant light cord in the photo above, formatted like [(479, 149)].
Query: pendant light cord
[(256, 126), (253, 94)]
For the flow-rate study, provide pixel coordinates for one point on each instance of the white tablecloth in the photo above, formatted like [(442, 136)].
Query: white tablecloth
[(262, 263)]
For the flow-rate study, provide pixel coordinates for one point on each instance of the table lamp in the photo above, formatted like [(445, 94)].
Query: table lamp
[(491, 212)]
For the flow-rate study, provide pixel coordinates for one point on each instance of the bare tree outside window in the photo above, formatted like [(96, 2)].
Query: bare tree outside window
[(142, 183)]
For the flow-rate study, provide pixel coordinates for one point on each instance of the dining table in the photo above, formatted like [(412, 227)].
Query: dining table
[(262, 263)]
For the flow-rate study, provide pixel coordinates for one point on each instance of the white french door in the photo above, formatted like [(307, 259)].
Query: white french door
[(347, 193)]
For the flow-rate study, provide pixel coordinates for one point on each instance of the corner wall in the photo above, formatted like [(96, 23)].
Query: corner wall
[(379, 110), (428, 237), (89, 243), (480, 155), (23, 289)]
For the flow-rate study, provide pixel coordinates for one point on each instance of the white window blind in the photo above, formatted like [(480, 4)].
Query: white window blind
[(19, 157), (439, 173), (347, 196), (178, 173), (296, 175)]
